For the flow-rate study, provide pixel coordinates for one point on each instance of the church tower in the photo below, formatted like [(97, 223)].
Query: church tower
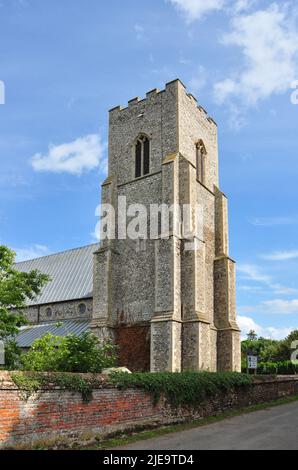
[(167, 301)]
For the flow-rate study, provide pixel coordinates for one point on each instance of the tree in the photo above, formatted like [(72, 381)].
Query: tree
[(269, 350), (15, 289), (252, 335), (284, 349), (69, 354), (264, 348)]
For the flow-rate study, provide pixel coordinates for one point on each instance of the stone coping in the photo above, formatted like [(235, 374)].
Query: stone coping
[(102, 381)]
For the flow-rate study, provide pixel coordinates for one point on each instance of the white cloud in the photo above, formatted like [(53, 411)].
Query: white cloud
[(83, 154), (250, 288), (31, 252), (139, 30), (282, 307), (277, 333), (281, 255), (253, 273), (283, 290), (268, 40), (271, 307), (197, 9), (272, 221), (247, 324), (242, 5)]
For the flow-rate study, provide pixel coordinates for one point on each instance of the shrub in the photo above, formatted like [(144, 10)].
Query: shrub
[(280, 367), (185, 388), (30, 382), (12, 355), (69, 354)]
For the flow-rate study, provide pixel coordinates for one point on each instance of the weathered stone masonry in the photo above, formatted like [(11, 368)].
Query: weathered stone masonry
[(185, 299), (67, 310)]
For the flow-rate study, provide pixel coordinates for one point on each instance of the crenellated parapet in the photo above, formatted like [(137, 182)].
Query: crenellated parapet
[(155, 94)]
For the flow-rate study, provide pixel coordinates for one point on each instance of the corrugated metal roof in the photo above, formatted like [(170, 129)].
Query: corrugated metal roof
[(28, 334), (71, 274)]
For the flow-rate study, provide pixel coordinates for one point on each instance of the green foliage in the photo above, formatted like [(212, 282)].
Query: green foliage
[(33, 381), (15, 289), (252, 335), (27, 383), (84, 354), (43, 354), (12, 355), (69, 354), (268, 350), (185, 388), (280, 367), (262, 347), (283, 351)]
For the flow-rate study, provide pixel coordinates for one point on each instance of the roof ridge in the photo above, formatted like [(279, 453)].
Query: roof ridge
[(57, 253)]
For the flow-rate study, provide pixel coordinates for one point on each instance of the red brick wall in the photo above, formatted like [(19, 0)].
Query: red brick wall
[(54, 414)]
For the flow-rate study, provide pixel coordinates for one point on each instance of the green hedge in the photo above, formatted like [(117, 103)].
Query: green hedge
[(282, 368), (186, 388)]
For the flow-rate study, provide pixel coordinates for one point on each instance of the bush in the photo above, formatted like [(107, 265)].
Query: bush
[(12, 355), (69, 354), (281, 368), (185, 388), (31, 382)]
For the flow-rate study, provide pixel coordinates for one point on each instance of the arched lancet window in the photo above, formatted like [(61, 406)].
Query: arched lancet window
[(142, 156), (201, 161)]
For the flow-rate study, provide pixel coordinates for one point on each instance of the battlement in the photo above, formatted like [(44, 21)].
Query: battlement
[(152, 94)]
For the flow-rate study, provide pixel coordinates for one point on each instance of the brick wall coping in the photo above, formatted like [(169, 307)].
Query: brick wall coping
[(101, 381)]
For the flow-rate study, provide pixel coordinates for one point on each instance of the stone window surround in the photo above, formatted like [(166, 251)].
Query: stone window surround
[(141, 135), (82, 308), (201, 154), (49, 312)]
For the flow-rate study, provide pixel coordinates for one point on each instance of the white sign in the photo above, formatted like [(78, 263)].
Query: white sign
[(252, 362), (2, 353)]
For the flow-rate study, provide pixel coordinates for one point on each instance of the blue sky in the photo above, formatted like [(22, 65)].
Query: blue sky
[(64, 63)]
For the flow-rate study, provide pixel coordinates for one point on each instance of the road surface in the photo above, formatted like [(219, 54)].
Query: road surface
[(270, 429)]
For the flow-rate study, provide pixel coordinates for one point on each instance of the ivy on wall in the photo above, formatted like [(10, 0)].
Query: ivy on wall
[(186, 388)]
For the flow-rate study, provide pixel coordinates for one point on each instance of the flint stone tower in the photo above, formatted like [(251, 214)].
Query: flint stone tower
[(167, 308)]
